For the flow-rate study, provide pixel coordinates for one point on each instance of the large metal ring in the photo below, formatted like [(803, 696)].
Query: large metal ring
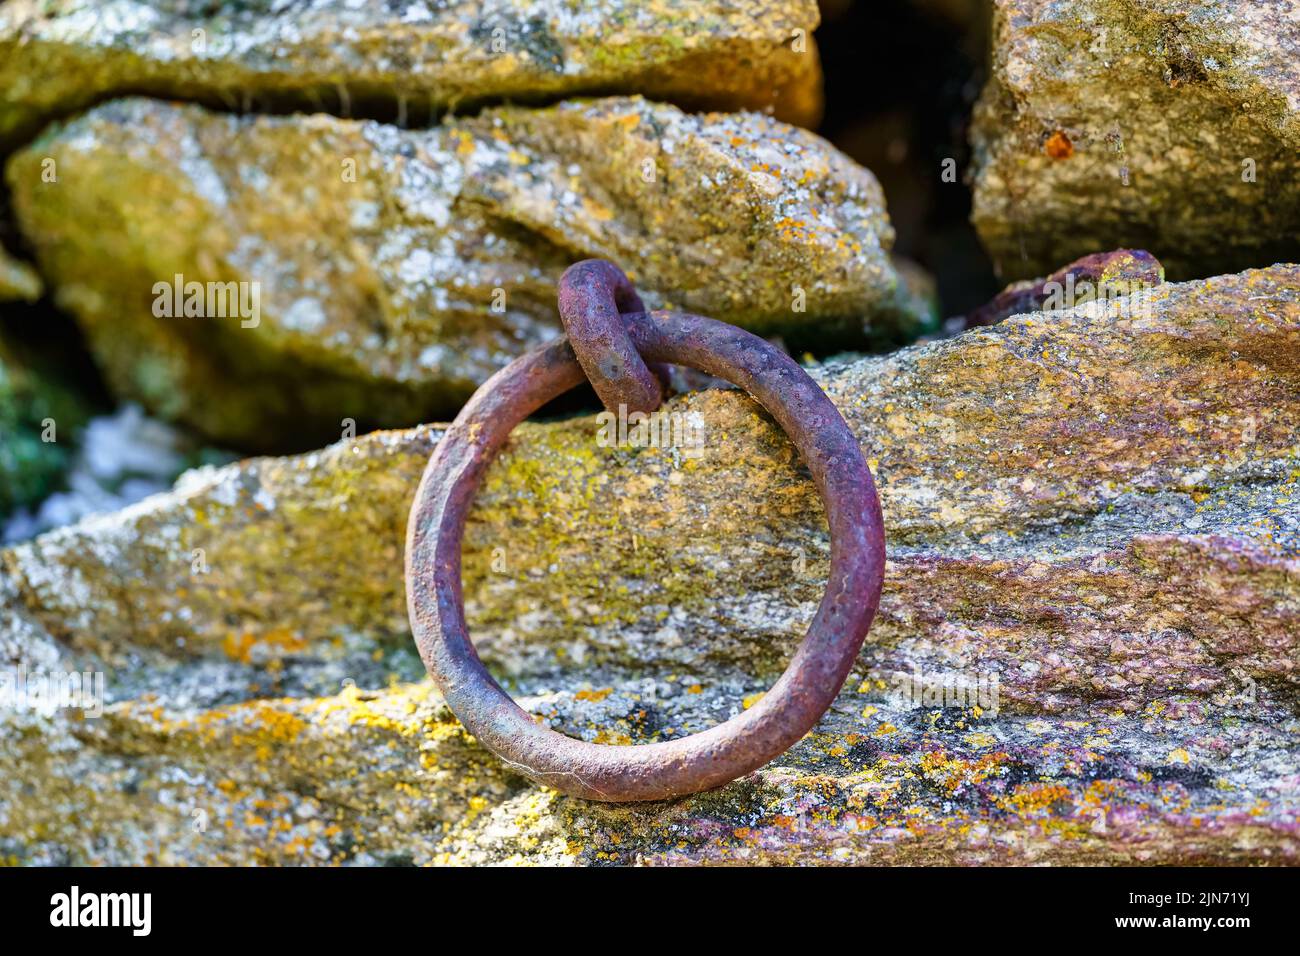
[(821, 662)]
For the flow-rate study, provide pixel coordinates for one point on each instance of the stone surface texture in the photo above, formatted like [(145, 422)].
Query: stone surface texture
[(404, 61), (1165, 125), (1092, 521), (395, 270)]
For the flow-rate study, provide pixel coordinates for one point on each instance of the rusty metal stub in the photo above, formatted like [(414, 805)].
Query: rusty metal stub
[(820, 664)]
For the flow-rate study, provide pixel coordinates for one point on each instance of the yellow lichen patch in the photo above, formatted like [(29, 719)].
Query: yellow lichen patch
[(277, 641), (238, 647), (1035, 798)]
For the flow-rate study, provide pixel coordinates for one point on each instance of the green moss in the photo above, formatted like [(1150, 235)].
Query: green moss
[(39, 422)]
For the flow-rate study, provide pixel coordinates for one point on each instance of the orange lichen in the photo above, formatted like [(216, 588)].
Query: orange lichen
[(1058, 146)]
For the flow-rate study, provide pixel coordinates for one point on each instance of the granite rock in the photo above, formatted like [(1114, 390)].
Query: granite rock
[(1086, 649), (379, 275), (1164, 125), (408, 61)]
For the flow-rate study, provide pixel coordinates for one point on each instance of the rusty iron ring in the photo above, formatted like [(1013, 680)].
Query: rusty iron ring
[(595, 296), (820, 664)]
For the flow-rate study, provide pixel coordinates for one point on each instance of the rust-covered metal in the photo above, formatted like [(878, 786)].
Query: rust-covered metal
[(821, 662), (1122, 269), (594, 296)]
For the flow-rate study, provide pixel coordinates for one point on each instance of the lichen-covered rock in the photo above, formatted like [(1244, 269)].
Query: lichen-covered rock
[(1166, 125), (1086, 650), (404, 60), (391, 777), (1075, 466), (379, 275)]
